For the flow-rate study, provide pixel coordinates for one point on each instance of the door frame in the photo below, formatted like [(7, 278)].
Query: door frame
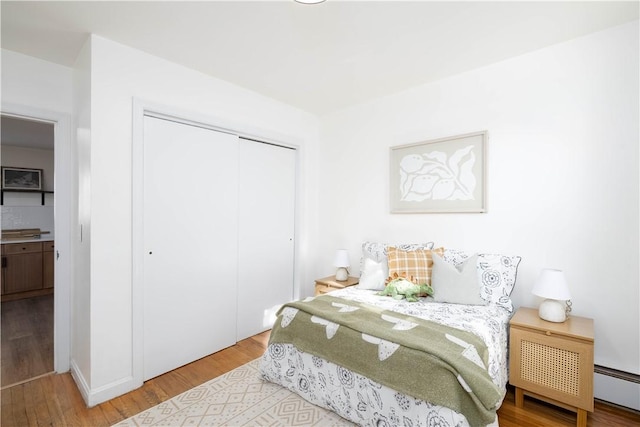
[(140, 109), (63, 202)]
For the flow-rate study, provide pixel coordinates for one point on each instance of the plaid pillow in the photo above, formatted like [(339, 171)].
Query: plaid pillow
[(378, 253), (416, 263)]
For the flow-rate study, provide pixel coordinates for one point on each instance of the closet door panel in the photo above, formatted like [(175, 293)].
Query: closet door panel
[(266, 234), (190, 240)]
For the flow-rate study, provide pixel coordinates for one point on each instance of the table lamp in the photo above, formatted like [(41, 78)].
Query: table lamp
[(552, 285), (342, 262)]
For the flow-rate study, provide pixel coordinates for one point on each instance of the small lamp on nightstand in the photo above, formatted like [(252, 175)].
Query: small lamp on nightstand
[(342, 262), (552, 285)]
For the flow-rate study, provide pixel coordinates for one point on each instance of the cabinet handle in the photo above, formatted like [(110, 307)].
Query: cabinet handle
[(548, 333), (4, 262)]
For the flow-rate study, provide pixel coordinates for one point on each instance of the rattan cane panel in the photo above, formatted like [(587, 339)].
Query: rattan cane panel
[(551, 367)]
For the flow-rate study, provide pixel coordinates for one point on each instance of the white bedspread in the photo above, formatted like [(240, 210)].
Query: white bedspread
[(365, 402)]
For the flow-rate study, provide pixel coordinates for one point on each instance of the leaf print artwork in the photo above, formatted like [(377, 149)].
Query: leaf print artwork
[(433, 176), (441, 175)]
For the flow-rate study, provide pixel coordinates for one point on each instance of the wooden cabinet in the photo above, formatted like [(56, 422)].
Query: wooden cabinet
[(22, 265), (330, 283), (48, 260), (27, 269), (552, 362)]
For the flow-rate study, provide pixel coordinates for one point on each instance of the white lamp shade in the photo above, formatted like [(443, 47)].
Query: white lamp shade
[(342, 258), (551, 284)]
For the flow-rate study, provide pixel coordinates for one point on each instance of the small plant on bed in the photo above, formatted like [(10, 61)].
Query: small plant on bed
[(400, 287)]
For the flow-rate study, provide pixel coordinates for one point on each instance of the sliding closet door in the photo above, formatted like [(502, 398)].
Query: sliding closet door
[(266, 234), (190, 240)]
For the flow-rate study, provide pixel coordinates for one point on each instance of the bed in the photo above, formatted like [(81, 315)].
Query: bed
[(376, 360)]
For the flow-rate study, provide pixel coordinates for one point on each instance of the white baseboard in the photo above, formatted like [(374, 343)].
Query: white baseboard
[(77, 376), (617, 391), (93, 397)]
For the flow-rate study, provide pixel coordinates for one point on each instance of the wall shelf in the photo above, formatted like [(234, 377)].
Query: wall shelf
[(7, 190)]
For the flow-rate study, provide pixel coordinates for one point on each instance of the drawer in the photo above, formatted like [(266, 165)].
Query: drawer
[(323, 289), (21, 248), (48, 246)]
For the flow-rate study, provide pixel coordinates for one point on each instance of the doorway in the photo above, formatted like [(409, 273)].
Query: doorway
[(58, 197), (27, 227)]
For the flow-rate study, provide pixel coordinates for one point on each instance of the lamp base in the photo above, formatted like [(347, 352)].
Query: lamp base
[(342, 274), (552, 310)]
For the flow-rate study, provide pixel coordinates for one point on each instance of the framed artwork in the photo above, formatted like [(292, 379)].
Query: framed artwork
[(21, 179), (442, 175)]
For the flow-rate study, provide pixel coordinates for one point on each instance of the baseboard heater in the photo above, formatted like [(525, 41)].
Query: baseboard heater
[(622, 375), (616, 387)]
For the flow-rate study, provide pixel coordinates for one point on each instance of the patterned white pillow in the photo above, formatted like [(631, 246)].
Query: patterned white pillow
[(370, 272), (496, 273)]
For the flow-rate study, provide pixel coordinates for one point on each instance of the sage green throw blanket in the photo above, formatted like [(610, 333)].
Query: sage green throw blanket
[(420, 358)]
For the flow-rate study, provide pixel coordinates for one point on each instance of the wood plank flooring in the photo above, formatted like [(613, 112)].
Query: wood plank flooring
[(27, 339), (54, 400)]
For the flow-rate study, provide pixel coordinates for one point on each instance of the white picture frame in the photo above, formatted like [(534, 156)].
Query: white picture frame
[(443, 175)]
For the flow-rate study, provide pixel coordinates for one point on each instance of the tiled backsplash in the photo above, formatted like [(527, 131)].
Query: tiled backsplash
[(28, 217)]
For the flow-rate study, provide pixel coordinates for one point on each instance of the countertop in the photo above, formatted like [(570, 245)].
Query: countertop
[(43, 238)]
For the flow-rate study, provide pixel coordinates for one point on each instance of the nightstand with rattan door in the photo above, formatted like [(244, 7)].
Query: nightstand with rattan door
[(552, 362)]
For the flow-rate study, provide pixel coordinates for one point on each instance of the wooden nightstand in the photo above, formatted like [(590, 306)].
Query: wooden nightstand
[(552, 362), (330, 283)]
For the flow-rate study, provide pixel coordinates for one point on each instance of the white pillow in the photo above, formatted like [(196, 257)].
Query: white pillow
[(456, 284), (372, 276)]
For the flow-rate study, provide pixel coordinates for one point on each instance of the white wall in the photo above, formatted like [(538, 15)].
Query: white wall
[(81, 356), (36, 83), (563, 175), (118, 75)]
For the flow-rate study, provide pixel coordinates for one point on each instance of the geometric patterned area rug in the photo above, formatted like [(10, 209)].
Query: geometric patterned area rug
[(237, 398)]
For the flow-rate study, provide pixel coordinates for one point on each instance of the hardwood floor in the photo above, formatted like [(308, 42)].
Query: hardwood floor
[(54, 400), (538, 414), (27, 339)]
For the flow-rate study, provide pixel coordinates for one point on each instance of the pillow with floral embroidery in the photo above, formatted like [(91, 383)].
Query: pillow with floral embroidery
[(496, 274)]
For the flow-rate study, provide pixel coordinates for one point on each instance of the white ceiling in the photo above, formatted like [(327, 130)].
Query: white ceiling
[(26, 133), (316, 57)]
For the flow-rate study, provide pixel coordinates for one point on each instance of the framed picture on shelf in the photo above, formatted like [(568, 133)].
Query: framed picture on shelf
[(439, 176), (21, 179)]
